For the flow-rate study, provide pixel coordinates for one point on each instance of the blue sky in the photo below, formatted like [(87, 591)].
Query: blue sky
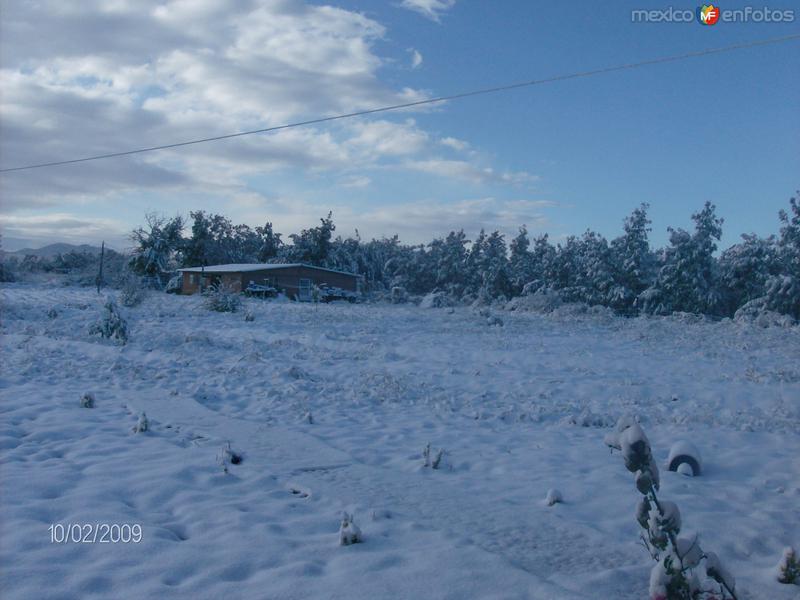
[(560, 157)]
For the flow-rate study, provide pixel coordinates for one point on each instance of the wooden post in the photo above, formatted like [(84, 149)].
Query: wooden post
[(99, 280)]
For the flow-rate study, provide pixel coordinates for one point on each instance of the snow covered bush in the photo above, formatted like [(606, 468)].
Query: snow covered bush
[(433, 461), (678, 570), (142, 424), (220, 298), (249, 316), (87, 400), (349, 532), (543, 300), (132, 293), (435, 300), (553, 497), (398, 295), (789, 567), (111, 324)]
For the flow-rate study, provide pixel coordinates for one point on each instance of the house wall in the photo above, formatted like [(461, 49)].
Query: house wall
[(287, 279), (191, 281)]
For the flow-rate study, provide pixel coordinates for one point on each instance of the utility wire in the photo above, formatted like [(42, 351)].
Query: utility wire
[(372, 111)]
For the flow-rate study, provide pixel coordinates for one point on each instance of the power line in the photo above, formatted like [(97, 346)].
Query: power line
[(372, 111)]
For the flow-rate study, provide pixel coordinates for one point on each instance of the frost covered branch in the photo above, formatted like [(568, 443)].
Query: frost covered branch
[(676, 576)]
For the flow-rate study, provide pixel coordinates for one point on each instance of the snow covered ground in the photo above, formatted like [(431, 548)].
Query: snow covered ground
[(519, 408)]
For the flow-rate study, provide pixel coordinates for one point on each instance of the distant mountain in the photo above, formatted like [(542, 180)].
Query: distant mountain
[(52, 250)]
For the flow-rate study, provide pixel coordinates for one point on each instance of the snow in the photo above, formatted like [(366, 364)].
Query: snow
[(520, 409)]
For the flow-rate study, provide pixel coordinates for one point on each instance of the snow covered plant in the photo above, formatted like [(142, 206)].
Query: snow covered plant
[(349, 532), (132, 292), (220, 298), (87, 400), (111, 324), (553, 497), (434, 462), (789, 567), (142, 424), (228, 457), (677, 574)]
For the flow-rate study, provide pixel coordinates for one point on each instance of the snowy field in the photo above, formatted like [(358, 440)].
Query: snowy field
[(519, 409)]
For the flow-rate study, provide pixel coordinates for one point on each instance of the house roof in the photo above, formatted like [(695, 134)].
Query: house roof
[(246, 267)]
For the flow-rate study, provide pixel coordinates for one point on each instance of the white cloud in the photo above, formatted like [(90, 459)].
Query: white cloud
[(432, 9), (468, 171), (416, 58), (454, 143), (40, 229), (356, 181)]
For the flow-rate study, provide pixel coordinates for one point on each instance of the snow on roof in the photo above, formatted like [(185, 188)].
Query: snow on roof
[(245, 267)]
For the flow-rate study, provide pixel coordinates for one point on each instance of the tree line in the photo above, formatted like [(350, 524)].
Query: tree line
[(625, 273)]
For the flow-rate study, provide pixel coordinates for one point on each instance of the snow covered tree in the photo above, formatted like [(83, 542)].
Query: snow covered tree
[(789, 567), (156, 247), (783, 290), (632, 259), (745, 269), (270, 243), (111, 324), (520, 264), (687, 279), (312, 245)]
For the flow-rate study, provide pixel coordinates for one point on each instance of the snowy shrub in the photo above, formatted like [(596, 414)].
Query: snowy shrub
[(398, 295), (553, 497), (220, 298), (435, 300), (142, 424), (112, 324), (249, 316), (308, 418), (678, 570), (544, 300), (756, 312), (433, 461), (494, 320), (789, 567), (87, 400), (349, 532), (174, 285), (52, 313), (132, 292)]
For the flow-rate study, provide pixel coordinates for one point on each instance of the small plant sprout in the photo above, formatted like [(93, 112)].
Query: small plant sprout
[(142, 424), (789, 567), (437, 460), (349, 533), (228, 457), (676, 575), (553, 497), (434, 462), (87, 400)]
